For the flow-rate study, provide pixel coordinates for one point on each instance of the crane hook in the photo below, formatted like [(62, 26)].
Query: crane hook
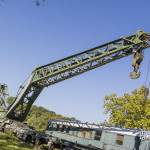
[(137, 59)]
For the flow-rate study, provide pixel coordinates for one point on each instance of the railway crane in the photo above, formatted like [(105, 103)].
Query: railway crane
[(74, 65), (77, 64)]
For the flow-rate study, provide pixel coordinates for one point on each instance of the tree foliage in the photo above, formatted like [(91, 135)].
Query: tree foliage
[(39, 116), (10, 100), (130, 110)]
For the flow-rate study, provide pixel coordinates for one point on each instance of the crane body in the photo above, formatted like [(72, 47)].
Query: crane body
[(77, 64), (13, 116)]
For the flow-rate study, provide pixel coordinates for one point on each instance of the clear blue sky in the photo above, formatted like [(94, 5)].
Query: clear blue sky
[(31, 36)]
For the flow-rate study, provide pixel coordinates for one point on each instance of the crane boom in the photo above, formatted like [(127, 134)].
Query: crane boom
[(74, 65)]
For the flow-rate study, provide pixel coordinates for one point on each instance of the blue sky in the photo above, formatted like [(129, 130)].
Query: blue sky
[(31, 36)]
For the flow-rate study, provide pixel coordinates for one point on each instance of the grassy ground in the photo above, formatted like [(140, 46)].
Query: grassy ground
[(11, 143)]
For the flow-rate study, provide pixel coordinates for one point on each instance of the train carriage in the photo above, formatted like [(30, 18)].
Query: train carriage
[(78, 135)]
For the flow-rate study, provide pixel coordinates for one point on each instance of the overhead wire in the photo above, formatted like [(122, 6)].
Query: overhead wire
[(147, 82)]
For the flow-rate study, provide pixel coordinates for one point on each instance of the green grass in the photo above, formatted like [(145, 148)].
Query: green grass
[(8, 142)]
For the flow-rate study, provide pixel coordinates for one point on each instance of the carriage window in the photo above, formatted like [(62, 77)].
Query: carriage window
[(67, 129), (98, 135), (57, 127), (62, 128), (119, 139)]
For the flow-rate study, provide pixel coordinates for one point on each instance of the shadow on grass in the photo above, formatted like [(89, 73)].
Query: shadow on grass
[(8, 142)]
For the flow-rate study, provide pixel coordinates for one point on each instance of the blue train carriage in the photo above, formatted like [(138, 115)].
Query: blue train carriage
[(78, 135)]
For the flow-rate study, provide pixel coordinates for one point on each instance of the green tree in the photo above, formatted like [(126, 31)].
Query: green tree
[(130, 110), (38, 116), (10, 100)]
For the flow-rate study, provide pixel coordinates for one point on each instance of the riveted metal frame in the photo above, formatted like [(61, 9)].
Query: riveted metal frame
[(71, 66)]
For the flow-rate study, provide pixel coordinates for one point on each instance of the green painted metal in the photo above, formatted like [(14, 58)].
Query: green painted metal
[(74, 65), (110, 138), (90, 59)]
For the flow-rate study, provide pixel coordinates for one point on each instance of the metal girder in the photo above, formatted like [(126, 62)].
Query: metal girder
[(74, 65), (90, 59), (24, 100), (3, 97)]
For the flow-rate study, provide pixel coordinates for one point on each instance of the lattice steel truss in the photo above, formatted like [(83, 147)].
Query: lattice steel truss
[(74, 65), (3, 97)]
